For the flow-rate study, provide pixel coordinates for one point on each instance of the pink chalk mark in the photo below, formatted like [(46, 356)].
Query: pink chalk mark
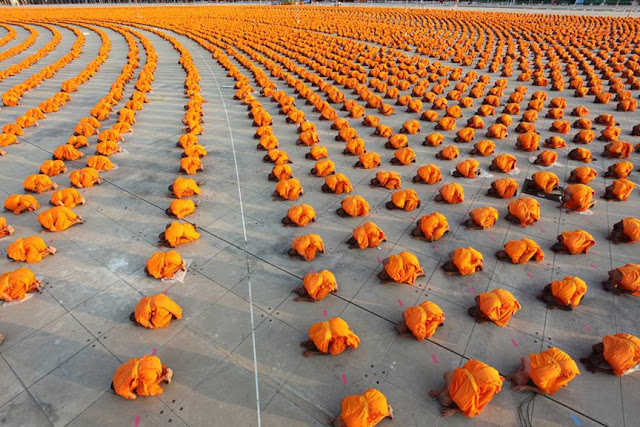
[(588, 329), (378, 259), (436, 247), (325, 313), (313, 270), (154, 351), (400, 303), (529, 275), (165, 291), (51, 241), (472, 290), (435, 359), (595, 267), (136, 422), (515, 344), (343, 378), (492, 238)]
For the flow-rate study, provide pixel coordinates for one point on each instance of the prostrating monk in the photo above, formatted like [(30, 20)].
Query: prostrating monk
[(363, 410), (521, 251), (288, 189), (483, 148), (546, 182), (406, 200), (574, 242), (191, 165), (367, 235), (53, 167), (503, 188), (624, 280), (621, 352), (181, 208), (29, 249), (428, 174), (482, 218), (185, 187), (317, 152), (431, 227), (332, 337), (100, 163), (316, 286), (85, 178), (179, 233), (165, 265), (322, 168), (140, 377), (403, 156), (548, 371), (388, 180), (421, 320), (619, 190), (469, 168), (39, 183), (401, 268), (368, 161), (620, 169), (299, 215), (564, 294), (496, 306), (5, 230), (15, 285), (546, 158), (18, 203), (305, 247), (450, 152), (528, 141), (626, 231), (504, 163), (353, 206), (555, 142), (463, 261), (277, 157), (451, 193), (618, 150), (580, 154), (525, 210), (468, 389), (156, 312), (577, 197), (59, 218), (582, 175), (337, 184)]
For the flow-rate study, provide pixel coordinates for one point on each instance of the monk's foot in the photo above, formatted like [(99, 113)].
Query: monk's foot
[(434, 394), (447, 412)]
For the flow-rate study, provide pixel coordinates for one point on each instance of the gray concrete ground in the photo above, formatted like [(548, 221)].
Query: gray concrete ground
[(63, 345)]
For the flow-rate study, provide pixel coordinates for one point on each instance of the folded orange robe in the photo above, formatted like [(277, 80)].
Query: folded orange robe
[(506, 188), (622, 352), (157, 311), (164, 265), (301, 215), (434, 139), (497, 131), (579, 197), (528, 141), (289, 189), (569, 291), (142, 376), (521, 251), (18, 203), (182, 207), (333, 337), (547, 158), (179, 233), (278, 157), (53, 167), (324, 167), (622, 169), (526, 210), (370, 160), (622, 188), (38, 183), (318, 152), (466, 260), (404, 268), (546, 181), (58, 218), (631, 229), (338, 183), (369, 235), (423, 320), (504, 162), (485, 147), (16, 284), (429, 174), (29, 249), (307, 246), (581, 155), (552, 369), (449, 152), (468, 168), (452, 193), (584, 174), (433, 226), (389, 180), (355, 206), (364, 410), (319, 285), (406, 200), (84, 178), (577, 241), (630, 278), (473, 386), (185, 187), (484, 217), (498, 306), (405, 155)]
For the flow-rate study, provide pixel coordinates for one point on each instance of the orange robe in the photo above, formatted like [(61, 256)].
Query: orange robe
[(618, 149), (546, 181), (319, 285), (16, 284), (452, 193), (584, 174), (466, 260), (164, 265), (468, 168), (579, 197), (307, 246), (433, 226), (622, 352), (59, 218), (191, 165), (434, 139), (278, 157), (497, 131), (423, 320), (429, 174), (405, 155), (528, 141), (552, 369), (157, 311), (338, 183), (39, 183), (521, 251), (547, 158), (67, 152), (473, 386), (355, 206), (581, 155), (324, 167), (356, 146), (555, 142), (370, 160), (498, 306), (630, 278), (484, 217), (621, 189), (504, 162), (622, 169), (179, 233), (100, 163), (526, 210), (398, 140), (18, 203), (364, 410), (333, 336), (53, 167), (289, 189), (185, 187), (577, 241), (465, 135), (182, 207), (318, 152), (142, 376), (30, 249), (568, 291), (486, 147), (389, 180), (449, 152), (369, 235), (301, 215), (631, 229), (404, 268), (406, 200), (506, 188), (84, 178)]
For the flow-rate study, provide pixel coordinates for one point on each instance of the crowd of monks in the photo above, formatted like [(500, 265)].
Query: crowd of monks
[(348, 79)]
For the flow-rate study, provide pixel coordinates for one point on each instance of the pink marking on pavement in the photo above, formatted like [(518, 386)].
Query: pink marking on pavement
[(313, 270), (595, 267), (435, 359), (51, 241), (378, 259), (154, 351), (492, 238), (436, 247), (584, 325), (472, 290), (529, 275), (343, 377), (136, 422), (325, 313), (165, 291), (400, 303), (515, 344)]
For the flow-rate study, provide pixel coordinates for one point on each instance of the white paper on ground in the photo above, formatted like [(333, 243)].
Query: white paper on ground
[(179, 276), (532, 160), (483, 174), (16, 302), (514, 171)]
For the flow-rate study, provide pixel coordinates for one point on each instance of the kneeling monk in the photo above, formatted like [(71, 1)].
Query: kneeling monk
[(363, 410), (156, 312), (624, 280), (179, 233), (525, 210), (421, 320), (548, 371), (482, 218), (142, 376), (496, 306), (564, 294), (299, 215), (367, 235), (574, 242), (577, 197), (59, 219), (316, 286), (620, 351), (463, 261), (15, 285), (5, 230), (431, 227), (29, 249), (521, 251), (331, 337), (401, 268), (305, 247), (624, 231), (165, 265)]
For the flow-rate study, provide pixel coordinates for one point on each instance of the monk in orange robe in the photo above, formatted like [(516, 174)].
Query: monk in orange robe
[(421, 320), (547, 371), (305, 247), (337, 184), (525, 210), (388, 180), (495, 306), (433, 139), (428, 174), (404, 156), (396, 141), (353, 206), (482, 218), (463, 261), (39, 183), (367, 235), (5, 230), (449, 152), (528, 141), (624, 280), (468, 389), (299, 215), (140, 377), (469, 168), (29, 249), (451, 193), (621, 352), (191, 165), (85, 178), (521, 251), (504, 163), (181, 208), (582, 175), (497, 131), (165, 265), (277, 157), (578, 197), (53, 167), (59, 218), (618, 150), (503, 188), (316, 286), (288, 189), (317, 152), (564, 294), (484, 148), (620, 170), (406, 200), (18, 203), (619, 190), (185, 187), (15, 285), (574, 242), (368, 161), (555, 142), (465, 135), (546, 158), (431, 227), (580, 154), (401, 268), (332, 337), (156, 312), (546, 182), (363, 410), (178, 233), (626, 231), (411, 127), (100, 163)]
